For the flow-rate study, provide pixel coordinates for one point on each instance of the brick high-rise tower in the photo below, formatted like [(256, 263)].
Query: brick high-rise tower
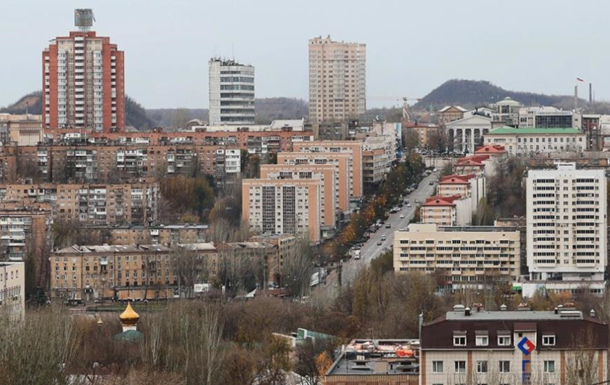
[(83, 80)]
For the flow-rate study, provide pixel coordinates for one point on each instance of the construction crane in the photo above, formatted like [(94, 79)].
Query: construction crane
[(405, 103)]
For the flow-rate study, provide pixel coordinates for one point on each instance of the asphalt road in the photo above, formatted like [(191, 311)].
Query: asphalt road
[(371, 249)]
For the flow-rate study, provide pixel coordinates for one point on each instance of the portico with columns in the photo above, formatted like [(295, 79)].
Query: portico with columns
[(467, 134)]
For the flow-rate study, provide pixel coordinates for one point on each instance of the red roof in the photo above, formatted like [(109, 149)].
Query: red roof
[(476, 160), (442, 200), (491, 149), (456, 179)]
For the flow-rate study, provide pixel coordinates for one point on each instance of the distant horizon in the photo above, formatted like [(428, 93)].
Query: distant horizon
[(168, 45)]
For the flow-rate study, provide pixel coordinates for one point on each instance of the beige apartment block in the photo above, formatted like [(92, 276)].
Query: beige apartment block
[(280, 206), (340, 162), (337, 80), (465, 257), (326, 173), (353, 147), (12, 289)]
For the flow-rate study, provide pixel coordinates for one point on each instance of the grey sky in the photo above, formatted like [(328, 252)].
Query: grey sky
[(412, 46)]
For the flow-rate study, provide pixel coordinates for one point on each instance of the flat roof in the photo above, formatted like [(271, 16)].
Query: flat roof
[(509, 315), (533, 131)]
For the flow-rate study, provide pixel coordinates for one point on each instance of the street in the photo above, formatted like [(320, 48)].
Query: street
[(371, 249)]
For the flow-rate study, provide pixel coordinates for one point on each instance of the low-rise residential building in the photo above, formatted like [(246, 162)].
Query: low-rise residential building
[(528, 141), (567, 229), (283, 206), (12, 289), (447, 211), (474, 346), (21, 130), (154, 235), (387, 362), (479, 165), (466, 186), (462, 257)]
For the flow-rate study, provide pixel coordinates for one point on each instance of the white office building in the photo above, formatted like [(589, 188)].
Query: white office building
[(231, 93), (566, 229)]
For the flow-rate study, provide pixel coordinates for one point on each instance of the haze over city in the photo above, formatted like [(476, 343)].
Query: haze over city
[(412, 46)]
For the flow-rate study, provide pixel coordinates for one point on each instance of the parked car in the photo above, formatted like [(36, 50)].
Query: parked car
[(388, 226), (402, 216), (379, 243)]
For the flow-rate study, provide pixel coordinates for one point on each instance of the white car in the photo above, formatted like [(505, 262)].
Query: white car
[(409, 205), (402, 216)]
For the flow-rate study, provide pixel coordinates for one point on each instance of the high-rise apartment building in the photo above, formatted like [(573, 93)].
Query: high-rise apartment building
[(278, 206), (567, 228), (83, 82), (337, 80), (231, 92)]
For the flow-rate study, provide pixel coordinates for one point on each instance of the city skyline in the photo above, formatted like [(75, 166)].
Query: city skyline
[(413, 49)]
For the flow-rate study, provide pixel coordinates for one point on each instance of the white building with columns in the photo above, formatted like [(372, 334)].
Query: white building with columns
[(467, 134)]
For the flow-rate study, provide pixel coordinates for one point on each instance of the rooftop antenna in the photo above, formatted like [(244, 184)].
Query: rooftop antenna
[(83, 19)]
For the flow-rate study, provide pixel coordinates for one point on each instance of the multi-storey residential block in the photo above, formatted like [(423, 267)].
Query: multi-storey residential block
[(529, 141), (154, 235), (12, 289), (375, 166), (466, 186), (103, 204), (337, 80), (464, 257), (325, 173), (474, 346), (352, 147), (283, 206), (83, 83), (122, 272), (447, 210), (566, 229), (231, 92), (339, 161)]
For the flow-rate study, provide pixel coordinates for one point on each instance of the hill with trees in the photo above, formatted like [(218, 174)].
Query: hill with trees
[(473, 93)]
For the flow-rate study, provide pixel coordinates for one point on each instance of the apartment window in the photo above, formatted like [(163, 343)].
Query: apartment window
[(549, 366), (548, 340), (481, 366), (437, 366), (460, 366), (459, 340), (504, 366), (503, 340), (482, 340)]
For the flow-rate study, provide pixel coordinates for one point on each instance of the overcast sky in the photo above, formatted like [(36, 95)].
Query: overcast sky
[(412, 46)]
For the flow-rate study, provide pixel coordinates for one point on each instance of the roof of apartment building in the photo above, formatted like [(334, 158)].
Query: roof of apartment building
[(446, 108), (441, 200), (569, 327), (474, 160), (456, 179), (377, 357), (533, 131), (75, 249), (491, 149)]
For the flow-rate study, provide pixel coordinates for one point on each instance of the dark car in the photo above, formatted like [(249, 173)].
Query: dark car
[(388, 226)]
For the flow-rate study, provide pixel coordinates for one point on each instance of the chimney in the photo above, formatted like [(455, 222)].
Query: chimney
[(503, 307), (467, 311), (592, 313), (556, 310)]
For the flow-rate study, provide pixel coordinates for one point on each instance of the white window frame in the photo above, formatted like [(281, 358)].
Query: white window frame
[(435, 365), (480, 365), (504, 338), (480, 339), (502, 367), (457, 369), (546, 340), (549, 364), (457, 339)]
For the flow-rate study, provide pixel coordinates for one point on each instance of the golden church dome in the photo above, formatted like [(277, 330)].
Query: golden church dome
[(129, 317)]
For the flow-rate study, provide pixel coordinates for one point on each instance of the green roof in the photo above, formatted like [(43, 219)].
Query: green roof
[(538, 131)]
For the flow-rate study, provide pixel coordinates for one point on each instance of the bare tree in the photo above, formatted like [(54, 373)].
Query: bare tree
[(297, 268), (190, 267)]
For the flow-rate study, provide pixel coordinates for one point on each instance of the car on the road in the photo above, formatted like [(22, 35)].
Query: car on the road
[(417, 201), (402, 216), (388, 226), (409, 205), (383, 237), (431, 183), (379, 243)]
